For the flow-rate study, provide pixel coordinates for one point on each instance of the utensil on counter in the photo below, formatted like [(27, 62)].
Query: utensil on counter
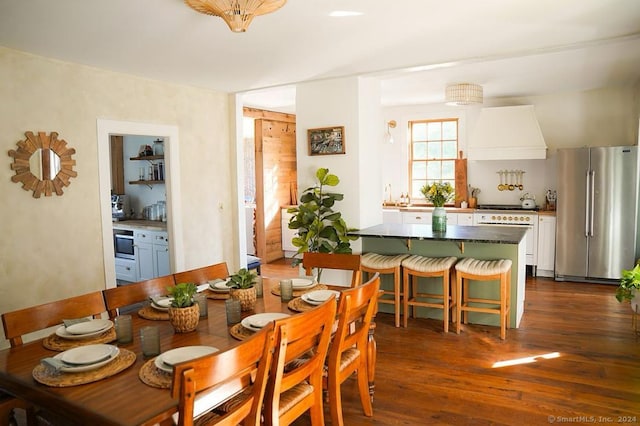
[(521, 180), (501, 186), (511, 175)]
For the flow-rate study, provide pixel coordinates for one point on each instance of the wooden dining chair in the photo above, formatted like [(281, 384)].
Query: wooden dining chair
[(202, 275), (17, 324), (130, 294), (347, 262), (232, 383), (348, 351), (295, 381)]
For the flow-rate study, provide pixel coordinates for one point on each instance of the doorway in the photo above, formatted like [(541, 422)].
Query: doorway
[(108, 128)]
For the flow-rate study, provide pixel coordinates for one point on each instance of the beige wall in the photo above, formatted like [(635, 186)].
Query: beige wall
[(51, 247)]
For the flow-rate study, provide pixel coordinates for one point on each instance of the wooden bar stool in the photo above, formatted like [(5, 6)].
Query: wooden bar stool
[(421, 266), (484, 270), (386, 264)]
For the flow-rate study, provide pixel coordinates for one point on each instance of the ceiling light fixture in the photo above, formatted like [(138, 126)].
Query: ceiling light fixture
[(463, 94), (388, 137), (238, 14)]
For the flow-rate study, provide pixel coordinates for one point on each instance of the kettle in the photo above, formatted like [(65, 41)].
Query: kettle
[(528, 201)]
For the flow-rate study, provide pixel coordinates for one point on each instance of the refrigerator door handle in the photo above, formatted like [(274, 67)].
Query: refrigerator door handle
[(592, 189), (587, 203)]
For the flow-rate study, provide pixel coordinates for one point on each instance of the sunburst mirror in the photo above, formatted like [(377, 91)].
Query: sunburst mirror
[(43, 163)]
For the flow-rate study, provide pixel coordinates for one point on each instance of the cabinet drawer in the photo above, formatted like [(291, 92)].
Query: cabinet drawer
[(153, 237), (126, 270), (416, 218)]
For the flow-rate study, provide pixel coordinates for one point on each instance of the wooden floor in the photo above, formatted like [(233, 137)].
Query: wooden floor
[(575, 359)]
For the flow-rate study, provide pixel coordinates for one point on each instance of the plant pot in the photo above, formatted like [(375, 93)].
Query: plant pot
[(439, 220), (184, 320), (246, 296)]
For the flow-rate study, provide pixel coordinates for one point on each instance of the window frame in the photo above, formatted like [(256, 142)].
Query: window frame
[(411, 123)]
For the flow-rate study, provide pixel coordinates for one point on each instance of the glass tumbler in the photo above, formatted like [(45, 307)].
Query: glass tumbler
[(201, 300), (150, 340), (232, 307), (124, 329), (286, 290), (258, 286)]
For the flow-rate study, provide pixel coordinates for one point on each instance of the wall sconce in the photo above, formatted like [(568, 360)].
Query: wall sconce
[(388, 138)]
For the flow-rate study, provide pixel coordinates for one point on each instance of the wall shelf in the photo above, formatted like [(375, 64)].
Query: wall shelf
[(148, 157)]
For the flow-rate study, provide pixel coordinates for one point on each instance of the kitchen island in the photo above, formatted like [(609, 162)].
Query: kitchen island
[(480, 242)]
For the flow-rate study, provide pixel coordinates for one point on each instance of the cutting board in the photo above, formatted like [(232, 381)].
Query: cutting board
[(461, 180)]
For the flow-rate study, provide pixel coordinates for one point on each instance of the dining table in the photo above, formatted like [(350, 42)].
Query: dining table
[(139, 394)]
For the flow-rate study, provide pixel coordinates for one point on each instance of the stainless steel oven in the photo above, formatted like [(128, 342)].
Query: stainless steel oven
[(123, 244), (522, 218)]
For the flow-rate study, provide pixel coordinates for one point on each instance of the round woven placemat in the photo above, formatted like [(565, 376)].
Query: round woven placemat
[(153, 314), (239, 332), (56, 343), (153, 376), (299, 305), (297, 293), (48, 376), (216, 295)]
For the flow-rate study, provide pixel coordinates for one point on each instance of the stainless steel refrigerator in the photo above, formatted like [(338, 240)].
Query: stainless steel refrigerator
[(597, 213)]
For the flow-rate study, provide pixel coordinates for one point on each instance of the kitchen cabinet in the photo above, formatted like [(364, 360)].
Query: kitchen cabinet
[(126, 270), (391, 216), (152, 254), (287, 234), (423, 218), (464, 219), (546, 245)]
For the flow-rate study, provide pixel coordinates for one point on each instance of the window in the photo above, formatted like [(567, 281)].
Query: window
[(433, 151)]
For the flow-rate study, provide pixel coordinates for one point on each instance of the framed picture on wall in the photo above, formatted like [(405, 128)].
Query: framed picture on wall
[(326, 140)]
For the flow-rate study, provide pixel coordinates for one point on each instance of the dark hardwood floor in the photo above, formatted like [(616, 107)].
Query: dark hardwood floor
[(576, 359)]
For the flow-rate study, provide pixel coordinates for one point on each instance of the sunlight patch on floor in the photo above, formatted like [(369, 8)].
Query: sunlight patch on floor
[(526, 360)]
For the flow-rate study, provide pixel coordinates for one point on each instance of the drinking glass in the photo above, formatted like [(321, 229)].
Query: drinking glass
[(201, 300), (286, 290), (232, 307), (258, 286), (150, 340), (124, 329)]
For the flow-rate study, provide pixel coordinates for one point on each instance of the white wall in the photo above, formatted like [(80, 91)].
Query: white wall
[(604, 117)]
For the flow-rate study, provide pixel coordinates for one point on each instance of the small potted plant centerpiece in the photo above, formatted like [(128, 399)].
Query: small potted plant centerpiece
[(629, 287), (241, 288), (438, 194), (184, 313)]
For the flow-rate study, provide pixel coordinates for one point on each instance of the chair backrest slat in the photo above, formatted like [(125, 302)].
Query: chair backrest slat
[(130, 294), (347, 262), (23, 321), (202, 275)]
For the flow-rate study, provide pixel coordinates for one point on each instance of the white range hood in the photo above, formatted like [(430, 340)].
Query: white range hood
[(507, 133)]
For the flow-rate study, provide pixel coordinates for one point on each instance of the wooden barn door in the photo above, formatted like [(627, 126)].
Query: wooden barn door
[(276, 181)]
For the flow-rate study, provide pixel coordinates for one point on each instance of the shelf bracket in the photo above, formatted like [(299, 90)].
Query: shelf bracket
[(409, 244), (460, 246)]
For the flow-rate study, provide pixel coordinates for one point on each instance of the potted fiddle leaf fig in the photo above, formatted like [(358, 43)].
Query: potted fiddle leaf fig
[(241, 286), (629, 287), (319, 227), (184, 313)]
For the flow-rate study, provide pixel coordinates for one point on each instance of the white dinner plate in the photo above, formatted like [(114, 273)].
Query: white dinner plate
[(219, 286), (257, 321), (303, 282), (161, 303), (318, 297), (87, 327), (87, 358), (165, 361), (62, 332)]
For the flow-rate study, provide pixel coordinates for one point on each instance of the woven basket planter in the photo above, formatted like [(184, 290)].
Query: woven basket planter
[(246, 296), (184, 320)]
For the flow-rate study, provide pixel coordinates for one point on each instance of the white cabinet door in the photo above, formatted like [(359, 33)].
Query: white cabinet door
[(161, 260), (546, 245), (452, 218), (152, 254), (465, 219), (391, 216), (287, 234), (144, 261), (423, 218)]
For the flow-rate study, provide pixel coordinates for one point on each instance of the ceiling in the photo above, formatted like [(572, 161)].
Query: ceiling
[(512, 48)]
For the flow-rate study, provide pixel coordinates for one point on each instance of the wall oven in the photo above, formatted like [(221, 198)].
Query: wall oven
[(513, 217), (123, 244)]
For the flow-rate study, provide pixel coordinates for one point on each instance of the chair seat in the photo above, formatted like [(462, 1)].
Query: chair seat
[(483, 267), (428, 264), (294, 395), (253, 262), (381, 261)]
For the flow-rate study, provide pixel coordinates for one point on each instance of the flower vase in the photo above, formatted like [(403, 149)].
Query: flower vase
[(439, 220)]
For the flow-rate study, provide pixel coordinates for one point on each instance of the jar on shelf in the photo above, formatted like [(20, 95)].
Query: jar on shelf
[(158, 147)]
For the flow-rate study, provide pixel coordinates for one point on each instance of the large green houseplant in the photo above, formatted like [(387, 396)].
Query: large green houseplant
[(320, 228)]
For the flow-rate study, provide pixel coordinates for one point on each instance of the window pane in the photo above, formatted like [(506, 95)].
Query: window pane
[(433, 170), (415, 190), (449, 149), (419, 170), (450, 130), (435, 150), (419, 131), (449, 171), (420, 151), (435, 131)]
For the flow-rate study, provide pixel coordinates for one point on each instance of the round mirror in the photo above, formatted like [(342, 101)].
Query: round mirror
[(43, 164)]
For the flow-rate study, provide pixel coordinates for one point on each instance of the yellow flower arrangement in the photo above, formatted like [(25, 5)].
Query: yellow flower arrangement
[(438, 193)]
